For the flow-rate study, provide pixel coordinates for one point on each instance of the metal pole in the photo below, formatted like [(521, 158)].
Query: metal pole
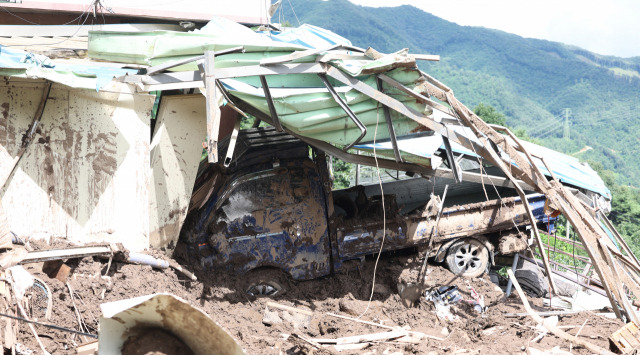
[(513, 267)]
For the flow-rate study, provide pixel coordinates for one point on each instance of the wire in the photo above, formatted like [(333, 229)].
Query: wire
[(49, 44), (34, 23), (14, 15), (294, 14), (384, 213)]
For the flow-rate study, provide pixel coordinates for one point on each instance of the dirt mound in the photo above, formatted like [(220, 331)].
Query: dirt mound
[(346, 294)]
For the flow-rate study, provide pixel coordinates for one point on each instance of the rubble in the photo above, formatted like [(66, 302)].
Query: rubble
[(220, 298)]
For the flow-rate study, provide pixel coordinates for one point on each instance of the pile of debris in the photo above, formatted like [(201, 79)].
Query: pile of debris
[(65, 310)]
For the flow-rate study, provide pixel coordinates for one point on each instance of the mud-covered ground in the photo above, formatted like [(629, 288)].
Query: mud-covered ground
[(222, 298)]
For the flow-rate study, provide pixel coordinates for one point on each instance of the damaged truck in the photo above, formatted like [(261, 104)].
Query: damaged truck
[(274, 208), (263, 199)]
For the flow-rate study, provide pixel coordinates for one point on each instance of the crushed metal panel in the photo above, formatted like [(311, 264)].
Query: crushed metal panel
[(175, 153), (85, 177)]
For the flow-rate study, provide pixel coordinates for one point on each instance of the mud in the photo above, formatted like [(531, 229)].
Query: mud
[(222, 297), (155, 342)]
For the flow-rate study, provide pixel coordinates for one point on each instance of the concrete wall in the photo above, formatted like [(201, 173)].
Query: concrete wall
[(86, 175), (175, 154)]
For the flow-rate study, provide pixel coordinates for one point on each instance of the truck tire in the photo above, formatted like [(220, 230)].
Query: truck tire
[(467, 258), (269, 283)]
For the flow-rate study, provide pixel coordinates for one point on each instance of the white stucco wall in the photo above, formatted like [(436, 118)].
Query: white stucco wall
[(86, 175)]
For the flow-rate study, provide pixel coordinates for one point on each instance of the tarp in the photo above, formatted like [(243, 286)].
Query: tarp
[(307, 36), (18, 63)]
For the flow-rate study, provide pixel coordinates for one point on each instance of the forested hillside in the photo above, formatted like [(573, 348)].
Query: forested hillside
[(537, 84)]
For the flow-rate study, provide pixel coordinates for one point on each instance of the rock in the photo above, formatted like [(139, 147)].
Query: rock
[(381, 289), (298, 320), (271, 317)]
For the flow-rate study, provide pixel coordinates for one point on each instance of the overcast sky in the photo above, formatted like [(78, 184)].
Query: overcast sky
[(606, 27)]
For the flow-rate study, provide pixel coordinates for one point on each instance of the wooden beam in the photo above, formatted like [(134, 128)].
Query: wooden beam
[(429, 57), (619, 238), (213, 111), (398, 85), (622, 296), (59, 254)]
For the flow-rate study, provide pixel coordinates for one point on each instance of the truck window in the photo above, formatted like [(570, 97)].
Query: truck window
[(261, 191)]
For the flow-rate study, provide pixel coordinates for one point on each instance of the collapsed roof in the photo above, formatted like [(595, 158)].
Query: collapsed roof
[(340, 98)]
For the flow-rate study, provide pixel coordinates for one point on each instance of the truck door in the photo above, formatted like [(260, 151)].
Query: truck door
[(274, 218)]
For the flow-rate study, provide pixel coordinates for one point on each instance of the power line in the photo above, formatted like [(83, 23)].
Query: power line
[(294, 12), (37, 24)]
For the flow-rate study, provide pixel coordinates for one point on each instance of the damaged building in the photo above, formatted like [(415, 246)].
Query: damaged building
[(133, 141)]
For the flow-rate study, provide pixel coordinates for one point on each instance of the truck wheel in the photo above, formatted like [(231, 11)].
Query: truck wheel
[(265, 283), (467, 258)]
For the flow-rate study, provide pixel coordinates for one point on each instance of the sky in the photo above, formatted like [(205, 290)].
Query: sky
[(610, 27)]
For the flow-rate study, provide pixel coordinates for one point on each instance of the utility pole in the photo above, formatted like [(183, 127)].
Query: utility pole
[(567, 133)]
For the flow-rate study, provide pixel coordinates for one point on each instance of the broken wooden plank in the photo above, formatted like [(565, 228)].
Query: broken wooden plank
[(557, 332), (396, 84), (626, 305), (364, 338), (339, 56), (58, 254), (626, 339), (289, 309), (344, 347), (359, 320), (429, 57), (89, 348)]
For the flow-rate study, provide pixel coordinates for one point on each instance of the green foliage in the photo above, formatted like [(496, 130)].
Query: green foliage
[(563, 252), (490, 115), (342, 173)]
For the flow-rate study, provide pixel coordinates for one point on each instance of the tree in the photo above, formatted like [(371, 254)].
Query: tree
[(490, 115)]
